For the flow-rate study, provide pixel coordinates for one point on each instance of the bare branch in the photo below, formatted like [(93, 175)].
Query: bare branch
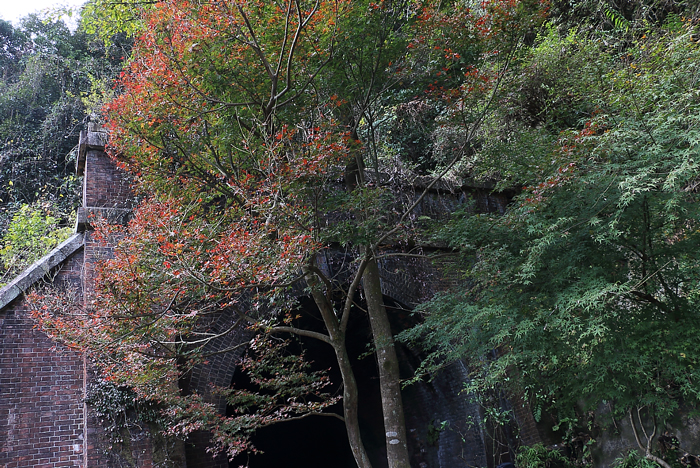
[(349, 297), (255, 45), (302, 332), (647, 449), (227, 350), (296, 418)]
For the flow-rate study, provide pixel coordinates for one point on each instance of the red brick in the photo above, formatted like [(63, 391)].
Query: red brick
[(42, 416)]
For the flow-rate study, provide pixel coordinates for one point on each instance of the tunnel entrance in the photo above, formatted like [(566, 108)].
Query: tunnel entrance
[(321, 441), (313, 442)]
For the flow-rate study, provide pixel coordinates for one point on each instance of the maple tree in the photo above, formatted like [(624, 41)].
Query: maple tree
[(237, 121), (587, 286)]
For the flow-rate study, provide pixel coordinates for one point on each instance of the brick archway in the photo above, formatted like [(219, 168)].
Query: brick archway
[(406, 282)]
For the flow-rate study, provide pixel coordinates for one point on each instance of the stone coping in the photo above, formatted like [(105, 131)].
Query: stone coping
[(89, 139), (40, 268), (86, 215)]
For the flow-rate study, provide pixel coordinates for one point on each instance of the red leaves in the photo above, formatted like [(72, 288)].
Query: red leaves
[(572, 148), (220, 123)]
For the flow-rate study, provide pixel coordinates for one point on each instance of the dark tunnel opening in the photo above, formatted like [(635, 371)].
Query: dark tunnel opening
[(321, 441), (314, 442)]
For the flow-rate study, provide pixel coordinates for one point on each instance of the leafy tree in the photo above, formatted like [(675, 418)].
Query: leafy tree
[(605, 15), (46, 73), (587, 287), (238, 121), (13, 42), (32, 233), (114, 23)]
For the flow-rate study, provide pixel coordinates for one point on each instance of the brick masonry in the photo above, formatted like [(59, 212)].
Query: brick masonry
[(104, 186), (41, 391), (44, 423)]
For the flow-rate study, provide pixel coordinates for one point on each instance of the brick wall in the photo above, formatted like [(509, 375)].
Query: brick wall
[(43, 420), (529, 434), (106, 195), (104, 186), (41, 391)]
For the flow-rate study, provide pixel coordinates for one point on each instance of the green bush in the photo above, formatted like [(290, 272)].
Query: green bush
[(633, 460), (32, 233), (539, 456)]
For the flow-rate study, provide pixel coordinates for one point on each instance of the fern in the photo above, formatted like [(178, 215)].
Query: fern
[(618, 21)]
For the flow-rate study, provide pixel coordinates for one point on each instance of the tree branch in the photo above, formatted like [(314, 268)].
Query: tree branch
[(302, 332), (296, 418), (647, 449), (349, 297)]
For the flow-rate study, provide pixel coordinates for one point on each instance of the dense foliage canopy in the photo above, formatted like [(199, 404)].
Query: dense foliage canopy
[(262, 135), (249, 127), (587, 287), (50, 80)]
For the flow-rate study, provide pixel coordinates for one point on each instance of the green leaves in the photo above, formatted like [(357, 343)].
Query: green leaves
[(32, 233), (587, 286), (45, 71)]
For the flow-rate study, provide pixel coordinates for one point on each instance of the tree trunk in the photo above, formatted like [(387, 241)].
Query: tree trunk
[(350, 405), (388, 363), (350, 392)]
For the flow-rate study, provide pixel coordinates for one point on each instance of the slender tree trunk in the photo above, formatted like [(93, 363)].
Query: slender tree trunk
[(350, 392), (388, 363), (350, 407)]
